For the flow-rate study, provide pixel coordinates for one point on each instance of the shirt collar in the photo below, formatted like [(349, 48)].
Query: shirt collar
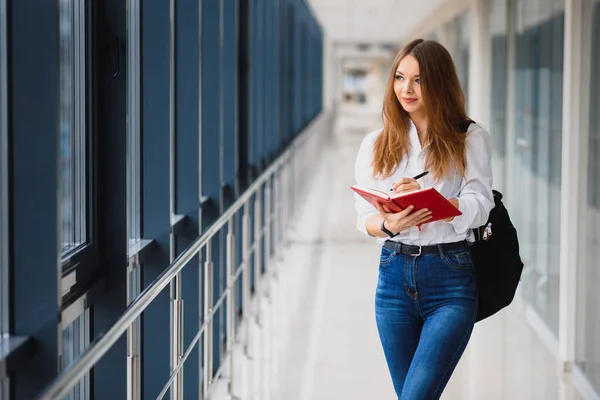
[(414, 137)]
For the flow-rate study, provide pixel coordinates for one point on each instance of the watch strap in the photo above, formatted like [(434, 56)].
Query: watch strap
[(386, 231)]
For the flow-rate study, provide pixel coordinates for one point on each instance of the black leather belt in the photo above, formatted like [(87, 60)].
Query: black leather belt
[(412, 250)]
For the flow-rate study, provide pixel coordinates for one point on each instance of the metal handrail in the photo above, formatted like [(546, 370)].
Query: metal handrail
[(69, 377)]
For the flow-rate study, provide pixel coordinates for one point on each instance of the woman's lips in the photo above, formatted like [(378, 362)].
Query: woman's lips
[(406, 100)]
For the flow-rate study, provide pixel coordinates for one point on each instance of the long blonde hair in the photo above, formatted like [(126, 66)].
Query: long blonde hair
[(445, 108)]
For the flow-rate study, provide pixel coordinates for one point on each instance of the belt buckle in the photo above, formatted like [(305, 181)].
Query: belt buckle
[(418, 254)]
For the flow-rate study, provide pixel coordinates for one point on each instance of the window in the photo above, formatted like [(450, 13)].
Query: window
[(461, 31), (133, 124), (75, 340), (3, 178), (74, 158), (73, 121), (537, 107), (498, 24), (588, 319)]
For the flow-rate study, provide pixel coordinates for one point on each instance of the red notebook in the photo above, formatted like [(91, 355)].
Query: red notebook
[(424, 198)]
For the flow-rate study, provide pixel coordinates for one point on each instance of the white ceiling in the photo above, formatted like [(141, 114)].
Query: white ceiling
[(371, 21)]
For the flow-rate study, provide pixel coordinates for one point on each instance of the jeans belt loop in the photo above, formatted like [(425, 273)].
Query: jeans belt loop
[(441, 250)]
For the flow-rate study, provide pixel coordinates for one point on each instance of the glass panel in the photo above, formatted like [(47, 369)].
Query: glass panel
[(498, 30), (460, 32), (433, 35), (72, 123), (133, 121), (3, 178), (75, 339), (588, 321), (538, 129)]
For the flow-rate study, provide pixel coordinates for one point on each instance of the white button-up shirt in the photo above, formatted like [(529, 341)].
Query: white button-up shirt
[(474, 191)]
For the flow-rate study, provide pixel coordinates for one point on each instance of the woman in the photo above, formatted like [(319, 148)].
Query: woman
[(426, 297)]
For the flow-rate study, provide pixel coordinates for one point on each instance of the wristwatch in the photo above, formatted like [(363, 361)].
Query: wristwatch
[(386, 231)]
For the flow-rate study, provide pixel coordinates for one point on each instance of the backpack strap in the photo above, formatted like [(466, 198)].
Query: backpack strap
[(464, 126)]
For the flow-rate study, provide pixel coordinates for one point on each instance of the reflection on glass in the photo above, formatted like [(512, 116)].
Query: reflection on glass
[(588, 321), (75, 340), (538, 131), (72, 123)]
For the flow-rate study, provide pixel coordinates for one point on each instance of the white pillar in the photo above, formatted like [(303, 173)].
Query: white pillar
[(508, 171), (480, 81), (574, 165), (329, 74), (376, 85), (448, 37)]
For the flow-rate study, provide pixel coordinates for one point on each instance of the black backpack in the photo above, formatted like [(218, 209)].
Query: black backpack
[(498, 265), (495, 253)]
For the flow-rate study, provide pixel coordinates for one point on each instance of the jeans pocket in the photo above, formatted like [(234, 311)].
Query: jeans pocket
[(459, 259), (386, 256)]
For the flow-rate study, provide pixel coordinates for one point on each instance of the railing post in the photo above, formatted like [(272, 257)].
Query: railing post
[(275, 213), (133, 350), (268, 320), (258, 317), (257, 250), (176, 328), (231, 307), (208, 304), (292, 188), (276, 317), (176, 337), (286, 194), (267, 228), (246, 275)]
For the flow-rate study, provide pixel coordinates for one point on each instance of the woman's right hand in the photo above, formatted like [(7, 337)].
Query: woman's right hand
[(405, 185), (405, 219)]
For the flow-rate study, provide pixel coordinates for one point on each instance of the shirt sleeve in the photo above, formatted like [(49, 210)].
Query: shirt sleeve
[(363, 177), (475, 199)]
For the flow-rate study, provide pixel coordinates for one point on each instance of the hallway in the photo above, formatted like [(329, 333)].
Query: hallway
[(176, 219)]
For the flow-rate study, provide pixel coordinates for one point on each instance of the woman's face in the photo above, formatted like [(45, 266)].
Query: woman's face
[(407, 85)]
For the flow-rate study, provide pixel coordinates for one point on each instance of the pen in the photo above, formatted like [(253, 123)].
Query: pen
[(422, 174)]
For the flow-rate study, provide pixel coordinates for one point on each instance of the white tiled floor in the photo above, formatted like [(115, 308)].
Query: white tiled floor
[(334, 352)]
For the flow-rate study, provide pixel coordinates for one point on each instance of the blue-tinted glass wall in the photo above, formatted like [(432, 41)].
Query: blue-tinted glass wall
[(224, 86), (255, 99), (283, 67)]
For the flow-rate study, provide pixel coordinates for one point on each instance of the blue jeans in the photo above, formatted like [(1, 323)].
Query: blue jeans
[(425, 309)]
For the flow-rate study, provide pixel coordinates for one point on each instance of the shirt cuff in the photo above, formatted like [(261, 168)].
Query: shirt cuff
[(459, 221), (362, 221)]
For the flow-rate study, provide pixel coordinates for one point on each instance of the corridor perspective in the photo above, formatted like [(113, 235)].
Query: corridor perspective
[(176, 213)]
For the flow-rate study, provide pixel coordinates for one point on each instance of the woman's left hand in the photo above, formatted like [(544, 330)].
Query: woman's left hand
[(454, 202)]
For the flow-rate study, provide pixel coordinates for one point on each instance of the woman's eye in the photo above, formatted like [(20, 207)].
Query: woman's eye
[(418, 81), (399, 77)]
